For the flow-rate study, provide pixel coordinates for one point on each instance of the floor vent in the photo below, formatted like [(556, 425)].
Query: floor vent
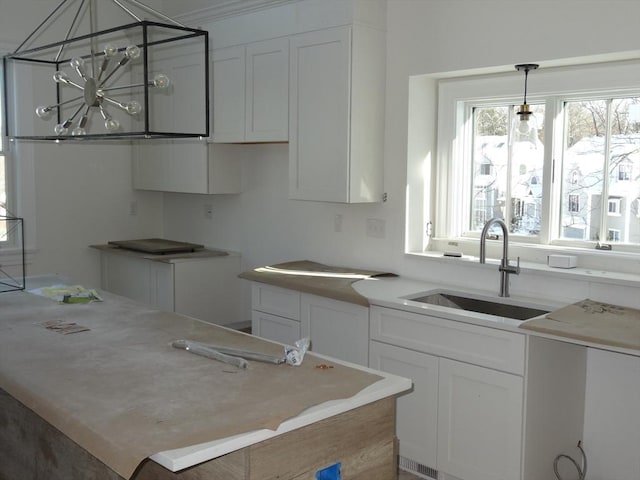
[(417, 468)]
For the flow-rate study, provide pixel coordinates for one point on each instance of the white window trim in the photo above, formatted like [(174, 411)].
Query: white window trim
[(434, 206), (21, 171)]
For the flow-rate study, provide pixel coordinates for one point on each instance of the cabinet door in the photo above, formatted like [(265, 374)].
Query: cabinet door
[(417, 411), (228, 67), (337, 329), (171, 166), (126, 276), (479, 422), (273, 327), (209, 289), (267, 91), (319, 107)]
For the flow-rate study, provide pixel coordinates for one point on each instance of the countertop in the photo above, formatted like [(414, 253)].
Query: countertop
[(123, 393), (611, 333), (315, 278), (205, 253)]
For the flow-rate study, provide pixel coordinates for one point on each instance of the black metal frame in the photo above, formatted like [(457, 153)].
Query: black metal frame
[(23, 56), (17, 282)]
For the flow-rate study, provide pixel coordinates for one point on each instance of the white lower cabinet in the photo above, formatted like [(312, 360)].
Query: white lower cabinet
[(335, 328), (486, 404), (479, 421), (207, 288), (417, 418)]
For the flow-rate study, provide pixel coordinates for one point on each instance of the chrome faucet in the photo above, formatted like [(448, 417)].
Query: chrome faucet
[(505, 269)]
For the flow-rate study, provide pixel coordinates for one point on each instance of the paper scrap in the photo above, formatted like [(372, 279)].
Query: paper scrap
[(68, 294), (65, 328)]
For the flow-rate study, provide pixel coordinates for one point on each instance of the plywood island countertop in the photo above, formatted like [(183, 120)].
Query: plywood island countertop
[(121, 392)]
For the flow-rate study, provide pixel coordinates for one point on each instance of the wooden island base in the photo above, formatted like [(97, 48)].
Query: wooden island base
[(362, 440)]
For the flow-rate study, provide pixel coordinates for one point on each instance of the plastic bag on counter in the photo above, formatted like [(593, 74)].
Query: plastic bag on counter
[(295, 354)]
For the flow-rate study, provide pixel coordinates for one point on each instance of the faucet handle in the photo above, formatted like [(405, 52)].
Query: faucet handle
[(506, 267)]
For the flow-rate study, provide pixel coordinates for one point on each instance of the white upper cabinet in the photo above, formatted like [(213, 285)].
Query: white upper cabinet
[(250, 92), (336, 114)]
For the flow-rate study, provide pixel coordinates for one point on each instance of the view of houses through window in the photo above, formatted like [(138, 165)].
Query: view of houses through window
[(598, 192)]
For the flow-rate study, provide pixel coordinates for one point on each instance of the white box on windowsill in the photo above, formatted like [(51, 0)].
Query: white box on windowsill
[(562, 261)]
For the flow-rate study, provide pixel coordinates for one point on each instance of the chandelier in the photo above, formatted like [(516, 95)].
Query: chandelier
[(77, 76)]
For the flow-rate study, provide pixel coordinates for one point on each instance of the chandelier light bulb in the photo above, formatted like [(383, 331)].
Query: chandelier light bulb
[(78, 132), (161, 81), (60, 77), (132, 51), (60, 129), (110, 50), (77, 62), (111, 125), (42, 111), (133, 107)]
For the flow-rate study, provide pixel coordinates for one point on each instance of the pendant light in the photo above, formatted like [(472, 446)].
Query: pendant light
[(525, 127), (108, 69)]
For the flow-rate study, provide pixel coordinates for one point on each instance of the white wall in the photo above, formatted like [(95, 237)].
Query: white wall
[(83, 197)]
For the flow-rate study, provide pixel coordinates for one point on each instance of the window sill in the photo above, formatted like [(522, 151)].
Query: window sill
[(611, 267)]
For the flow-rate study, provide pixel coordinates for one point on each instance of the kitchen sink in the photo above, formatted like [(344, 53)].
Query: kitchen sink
[(478, 305)]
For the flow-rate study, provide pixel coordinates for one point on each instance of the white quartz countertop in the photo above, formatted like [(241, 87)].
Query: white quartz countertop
[(396, 292)]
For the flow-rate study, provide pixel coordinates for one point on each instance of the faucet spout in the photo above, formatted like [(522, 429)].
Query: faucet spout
[(505, 269)]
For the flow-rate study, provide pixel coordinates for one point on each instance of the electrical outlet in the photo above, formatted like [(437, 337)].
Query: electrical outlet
[(133, 207), (376, 228), (208, 211), (337, 223)]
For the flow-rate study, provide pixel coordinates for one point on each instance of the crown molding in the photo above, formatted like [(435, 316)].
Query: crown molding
[(227, 8)]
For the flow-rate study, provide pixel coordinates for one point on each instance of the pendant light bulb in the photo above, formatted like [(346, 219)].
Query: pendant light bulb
[(525, 128)]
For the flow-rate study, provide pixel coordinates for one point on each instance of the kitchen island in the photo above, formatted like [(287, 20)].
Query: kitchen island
[(117, 401)]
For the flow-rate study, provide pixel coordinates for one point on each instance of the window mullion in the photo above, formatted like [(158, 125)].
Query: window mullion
[(604, 200)]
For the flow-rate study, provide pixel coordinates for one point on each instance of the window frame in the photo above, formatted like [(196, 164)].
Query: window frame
[(553, 86)]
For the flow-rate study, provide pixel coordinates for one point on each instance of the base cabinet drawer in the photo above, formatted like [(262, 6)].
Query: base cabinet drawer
[(474, 344), (273, 327)]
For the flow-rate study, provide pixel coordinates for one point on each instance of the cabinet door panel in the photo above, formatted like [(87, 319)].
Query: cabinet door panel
[(417, 411), (479, 422), (228, 94), (267, 91), (272, 327), (319, 105), (275, 300), (337, 329)]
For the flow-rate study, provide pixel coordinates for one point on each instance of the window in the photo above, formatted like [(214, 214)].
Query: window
[(568, 185), (614, 206), (613, 235), (574, 203), (624, 172)]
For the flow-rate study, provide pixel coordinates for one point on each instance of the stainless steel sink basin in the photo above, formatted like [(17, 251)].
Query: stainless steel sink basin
[(507, 310)]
